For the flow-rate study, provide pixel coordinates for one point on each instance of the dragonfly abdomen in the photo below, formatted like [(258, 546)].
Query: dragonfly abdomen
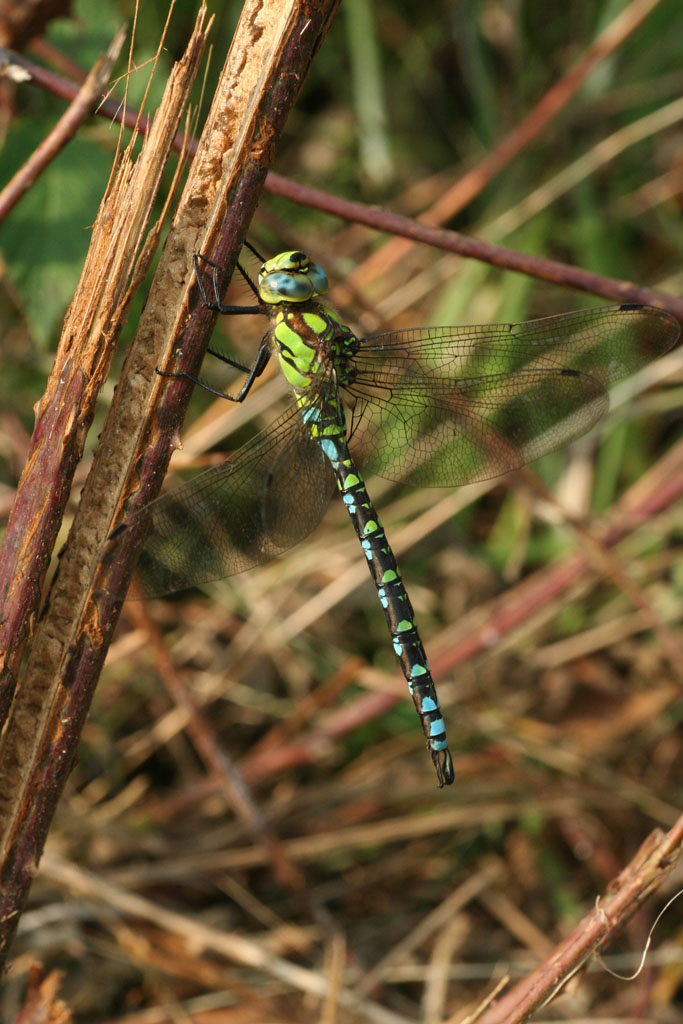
[(396, 605)]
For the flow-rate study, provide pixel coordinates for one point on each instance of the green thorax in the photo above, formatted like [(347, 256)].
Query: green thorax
[(308, 335)]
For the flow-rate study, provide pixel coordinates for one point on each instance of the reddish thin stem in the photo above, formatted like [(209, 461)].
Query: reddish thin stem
[(392, 223)]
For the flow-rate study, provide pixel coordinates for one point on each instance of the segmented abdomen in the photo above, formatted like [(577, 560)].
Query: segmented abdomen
[(398, 611)]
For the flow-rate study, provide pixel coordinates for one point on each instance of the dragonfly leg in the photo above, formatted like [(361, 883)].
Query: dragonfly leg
[(260, 363), (226, 359), (215, 303)]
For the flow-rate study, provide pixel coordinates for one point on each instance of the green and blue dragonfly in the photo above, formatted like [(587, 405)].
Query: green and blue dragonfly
[(433, 406)]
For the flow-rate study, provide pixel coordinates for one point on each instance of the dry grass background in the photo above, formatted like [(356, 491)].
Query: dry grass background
[(342, 862)]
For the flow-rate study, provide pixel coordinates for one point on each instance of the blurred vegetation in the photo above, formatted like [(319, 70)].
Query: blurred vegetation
[(581, 752)]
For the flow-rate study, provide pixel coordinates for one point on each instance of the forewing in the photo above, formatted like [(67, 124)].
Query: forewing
[(264, 499), (608, 342)]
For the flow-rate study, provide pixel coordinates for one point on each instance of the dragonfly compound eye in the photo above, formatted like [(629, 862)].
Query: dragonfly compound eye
[(318, 279), (285, 286), (291, 277)]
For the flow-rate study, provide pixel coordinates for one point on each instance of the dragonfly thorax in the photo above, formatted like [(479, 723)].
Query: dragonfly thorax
[(310, 338), (291, 277)]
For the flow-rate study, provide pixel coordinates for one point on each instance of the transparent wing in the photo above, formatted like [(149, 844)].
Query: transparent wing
[(609, 342), (474, 429), (451, 405), (264, 499)]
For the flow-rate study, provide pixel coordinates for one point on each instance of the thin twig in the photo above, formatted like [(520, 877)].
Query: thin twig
[(379, 219), (651, 865), (529, 128), (80, 108), (215, 758)]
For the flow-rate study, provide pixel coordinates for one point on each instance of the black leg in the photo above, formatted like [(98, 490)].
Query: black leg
[(256, 253), (263, 354), (215, 303), (226, 359), (260, 363)]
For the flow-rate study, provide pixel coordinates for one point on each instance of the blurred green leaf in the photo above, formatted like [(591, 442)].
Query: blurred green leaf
[(45, 240)]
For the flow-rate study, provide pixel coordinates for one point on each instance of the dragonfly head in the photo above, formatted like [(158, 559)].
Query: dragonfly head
[(291, 277)]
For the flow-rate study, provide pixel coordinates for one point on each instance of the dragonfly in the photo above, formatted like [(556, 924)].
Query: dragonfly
[(431, 406)]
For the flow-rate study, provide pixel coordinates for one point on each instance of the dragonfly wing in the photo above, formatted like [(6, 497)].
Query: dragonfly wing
[(608, 342), (476, 428), (264, 499), (446, 406)]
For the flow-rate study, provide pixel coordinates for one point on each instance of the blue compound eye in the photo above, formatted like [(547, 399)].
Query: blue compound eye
[(291, 277), (318, 279), (280, 286), (294, 286)]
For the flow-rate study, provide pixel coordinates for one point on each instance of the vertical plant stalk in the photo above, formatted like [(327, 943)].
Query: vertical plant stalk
[(36, 748), (44, 486), (271, 52), (114, 265)]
